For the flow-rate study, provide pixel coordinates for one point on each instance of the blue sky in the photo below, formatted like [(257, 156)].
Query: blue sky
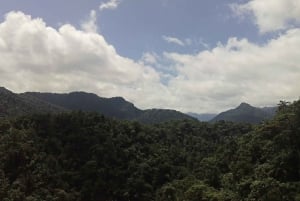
[(193, 56), (138, 26)]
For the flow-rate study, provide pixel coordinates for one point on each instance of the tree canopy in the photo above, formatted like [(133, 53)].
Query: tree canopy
[(86, 157)]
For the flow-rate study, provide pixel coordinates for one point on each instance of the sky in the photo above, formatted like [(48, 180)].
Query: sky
[(193, 56)]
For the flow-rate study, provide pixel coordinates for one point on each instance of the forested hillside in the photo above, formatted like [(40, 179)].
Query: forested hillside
[(246, 113), (86, 157), (12, 104), (115, 107)]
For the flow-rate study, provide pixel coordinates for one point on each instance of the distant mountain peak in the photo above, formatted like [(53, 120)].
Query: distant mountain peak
[(245, 113), (4, 90), (244, 104), (82, 93), (118, 97)]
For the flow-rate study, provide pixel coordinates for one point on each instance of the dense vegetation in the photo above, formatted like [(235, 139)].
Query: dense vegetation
[(246, 113), (12, 104), (116, 107), (87, 157)]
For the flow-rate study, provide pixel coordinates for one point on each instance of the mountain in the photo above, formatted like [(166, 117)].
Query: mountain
[(270, 110), (78, 156), (12, 104), (202, 117), (161, 115), (116, 107), (247, 114)]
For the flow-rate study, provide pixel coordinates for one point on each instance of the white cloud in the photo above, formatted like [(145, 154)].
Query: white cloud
[(41, 58), (149, 58), (90, 24), (186, 42), (238, 71), (173, 40), (270, 15), (37, 57), (110, 5)]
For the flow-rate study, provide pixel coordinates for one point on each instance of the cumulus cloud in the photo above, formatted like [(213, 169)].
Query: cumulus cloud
[(37, 57), (110, 5), (238, 71), (270, 15)]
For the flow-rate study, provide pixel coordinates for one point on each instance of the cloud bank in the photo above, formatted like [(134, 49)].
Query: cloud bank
[(239, 71), (270, 15), (37, 57)]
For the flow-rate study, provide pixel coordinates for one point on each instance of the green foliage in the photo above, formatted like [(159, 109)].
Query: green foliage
[(116, 107), (246, 113), (86, 157), (12, 104)]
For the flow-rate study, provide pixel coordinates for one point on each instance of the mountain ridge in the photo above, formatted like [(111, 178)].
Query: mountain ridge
[(13, 104), (115, 107), (246, 113)]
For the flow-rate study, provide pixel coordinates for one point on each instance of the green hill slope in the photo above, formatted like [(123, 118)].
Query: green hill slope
[(12, 104), (116, 107), (87, 157), (246, 113)]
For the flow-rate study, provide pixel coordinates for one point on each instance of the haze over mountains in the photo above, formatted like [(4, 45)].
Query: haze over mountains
[(202, 117)]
